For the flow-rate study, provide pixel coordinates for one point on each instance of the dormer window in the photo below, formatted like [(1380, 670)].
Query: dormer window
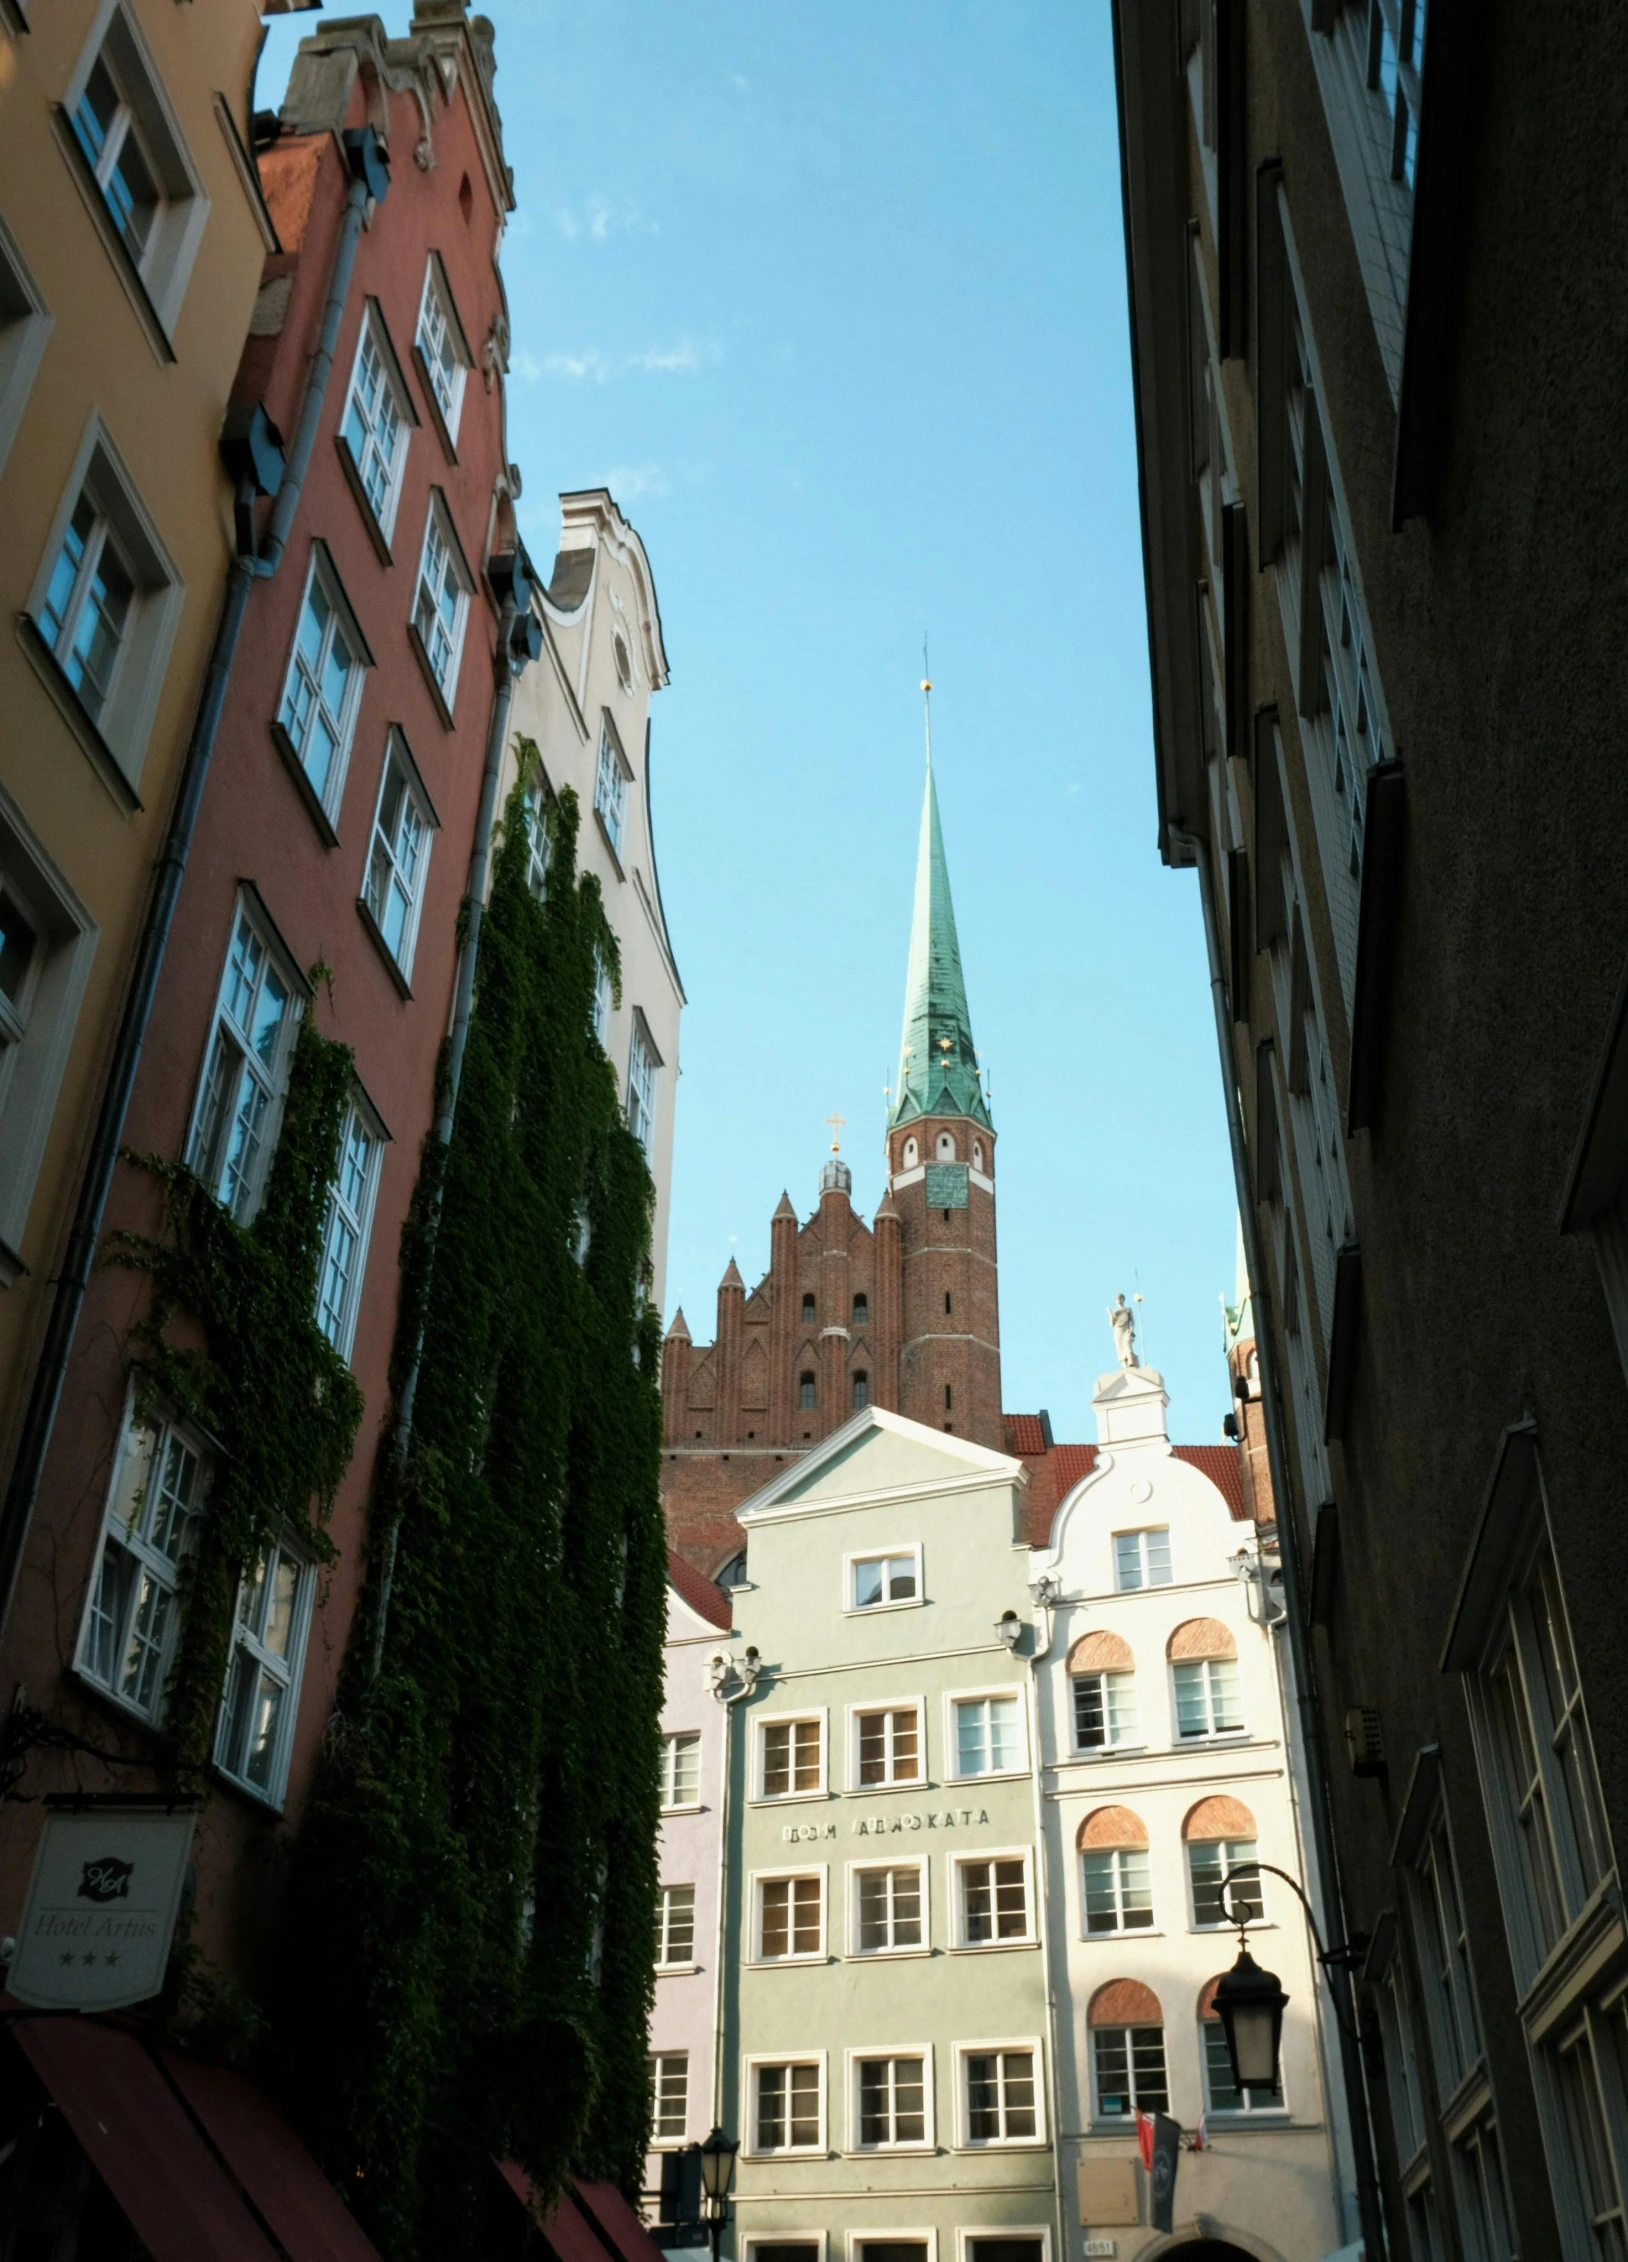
[(946, 1147), (808, 1311), (862, 1311), (977, 1154), (910, 1151)]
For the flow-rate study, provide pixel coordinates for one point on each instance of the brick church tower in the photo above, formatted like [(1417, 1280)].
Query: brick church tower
[(903, 1313)]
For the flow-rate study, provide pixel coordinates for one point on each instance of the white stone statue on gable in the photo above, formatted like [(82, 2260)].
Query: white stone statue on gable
[(1124, 1326)]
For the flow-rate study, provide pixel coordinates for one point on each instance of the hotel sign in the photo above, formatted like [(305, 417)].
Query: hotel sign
[(890, 1825), (100, 1915)]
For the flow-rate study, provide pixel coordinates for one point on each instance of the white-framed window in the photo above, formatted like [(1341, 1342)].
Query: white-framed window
[(887, 1745), (669, 2096), (1221, 2092), (1116, 1889), (444, 358), (887, 1909), (25, 326), (322, 689), (890, 2100), (47, 941), (239, 1107), (1208, 1861), (263, 1679), (791, 1757), (1141, 1559), (999, 2094), (105, 605), (1442, 1950), (611, 780), (377, 420), (786, 2104), (132, 1612), (604, 998), (441, 606), (1105, 1710), (642, 1064), (1128, 2071), (539, 840), (398, 860), (347, 1225), (148, 189), (1208, 1700), (988, 1734), (675, 1928), (680, 1771), (992, 1900), (788, 1918), (883, 1581)]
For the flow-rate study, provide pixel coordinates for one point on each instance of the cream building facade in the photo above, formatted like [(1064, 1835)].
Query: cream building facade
[(1165, 1761), (132, 240), (585, 707)]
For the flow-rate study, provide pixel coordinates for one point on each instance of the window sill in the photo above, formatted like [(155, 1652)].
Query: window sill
[(442, 705), (1118, 1939), (449, 446), (76, 715), (611, 847), (1276, 2117), (789, 2152), (676, 1971), (695, 1807), (787, 1798), (886, 1955), (923, 2151), (307, 791), (990, 1947), (269, 1802), (877, 1609), (774, 1963), (121, 1705), (1094, 1752), (376, 937), (995, 1775), (129, 274), (878, 1790), (370, 519), (1006, 2144)]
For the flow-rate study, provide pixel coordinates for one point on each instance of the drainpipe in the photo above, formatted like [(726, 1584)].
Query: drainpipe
[(1188, 848), (255, 449), (519, 640), (1042, 1899)]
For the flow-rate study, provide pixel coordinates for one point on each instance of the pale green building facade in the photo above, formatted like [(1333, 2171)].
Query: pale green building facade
[(885, 2049)]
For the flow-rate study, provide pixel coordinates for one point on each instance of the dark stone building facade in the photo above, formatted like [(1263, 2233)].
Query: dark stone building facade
[(1379, 322)]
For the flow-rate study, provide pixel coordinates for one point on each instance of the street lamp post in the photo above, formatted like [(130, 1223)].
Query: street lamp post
[(717, 2180), (1250, 2002)]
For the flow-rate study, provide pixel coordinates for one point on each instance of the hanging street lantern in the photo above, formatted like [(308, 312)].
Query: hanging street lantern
[(717, 2181), (1250, 2005)]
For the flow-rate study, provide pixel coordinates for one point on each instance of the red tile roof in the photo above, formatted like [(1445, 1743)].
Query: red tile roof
[(704, 1597), (1055, 1471)]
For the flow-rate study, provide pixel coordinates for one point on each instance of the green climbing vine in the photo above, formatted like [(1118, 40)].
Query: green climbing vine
[(469, 1953), (230, 1341)]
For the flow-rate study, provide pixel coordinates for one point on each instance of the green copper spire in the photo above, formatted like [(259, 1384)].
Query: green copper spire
[(938, 1068)]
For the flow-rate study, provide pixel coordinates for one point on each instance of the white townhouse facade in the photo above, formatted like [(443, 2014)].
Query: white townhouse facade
[(1165, 1762), (694, 1739), (585, 707)]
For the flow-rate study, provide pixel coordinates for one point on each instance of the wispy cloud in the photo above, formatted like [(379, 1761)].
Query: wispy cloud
[(629, 481), (740, 82), (597, 219), (592, 366)]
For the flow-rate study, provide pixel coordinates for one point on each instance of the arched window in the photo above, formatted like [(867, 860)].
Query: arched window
[(1127, 2051), (862, 1390), (1117, 1892), (1221, 2092), (806, 1391), (1103, 1672), (977, 1154), (910, 1151), (946, 1147), (733, 1573), (1220, 1835), (1204, 1674), (808, 1311), (862, 1310)]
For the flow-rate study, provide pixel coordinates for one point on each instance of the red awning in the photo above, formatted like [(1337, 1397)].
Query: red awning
[(591, 2222), (616, 2223), (140, 2141), (273, 2166)]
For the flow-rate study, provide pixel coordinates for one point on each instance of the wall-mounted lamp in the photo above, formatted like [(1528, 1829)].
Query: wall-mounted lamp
[(1009, 1628)]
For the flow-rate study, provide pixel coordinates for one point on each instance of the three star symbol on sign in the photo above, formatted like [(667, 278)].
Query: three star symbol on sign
[(67, 1957)]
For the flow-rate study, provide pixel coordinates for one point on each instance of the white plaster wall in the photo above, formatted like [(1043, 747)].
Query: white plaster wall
[(691, 1853), (559, 703), (1271, 2177)]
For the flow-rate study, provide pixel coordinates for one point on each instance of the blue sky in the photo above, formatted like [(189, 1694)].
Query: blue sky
[(833, 299)]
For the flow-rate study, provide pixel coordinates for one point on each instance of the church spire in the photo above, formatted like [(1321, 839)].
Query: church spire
[(938, 1068)]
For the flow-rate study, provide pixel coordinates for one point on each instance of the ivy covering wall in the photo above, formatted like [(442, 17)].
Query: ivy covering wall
[(467, 1972)]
